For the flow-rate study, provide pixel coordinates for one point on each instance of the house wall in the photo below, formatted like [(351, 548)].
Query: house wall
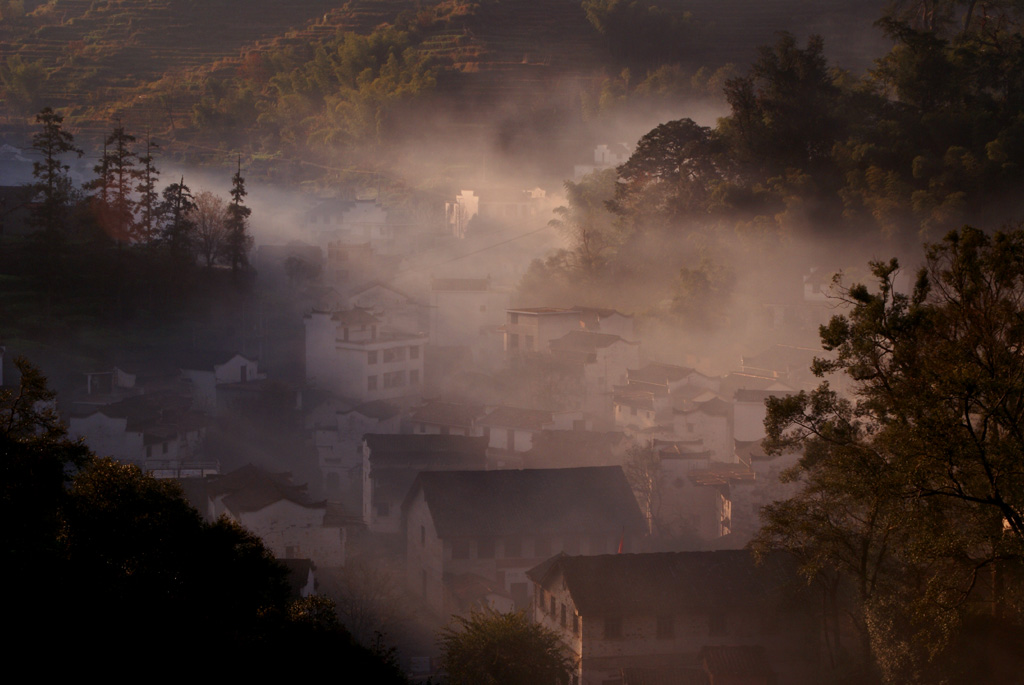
[(294, 531), (712, 429), (108, 437), (458, 316), (788, 638), (424, 556), (536, 331)]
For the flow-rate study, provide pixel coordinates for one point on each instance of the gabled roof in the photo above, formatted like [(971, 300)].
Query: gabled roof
[(586, 341), (354, 317), (713, 407), (659, 373), (382, 410), (669, 582), (515, 417), (529, 502), (251, 488), (442, 413), (426, 450), (207, 360)]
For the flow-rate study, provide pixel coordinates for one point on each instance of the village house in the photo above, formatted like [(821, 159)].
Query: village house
[(492, 526), (440, 417), (395, 310), (349, 354), (212, 377), (281, 513), (463, 310), (350, 266), (531, 329), (494, 205), (603, 359), (661, 610), (511, 430), (711, 422), (605, 157), (392, 462), (338, 438), (157, 432)]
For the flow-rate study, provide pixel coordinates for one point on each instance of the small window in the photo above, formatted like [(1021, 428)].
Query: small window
[(485, 548), (551, 605), (513, 318), (460, 549), (612, 627), (666, 627)]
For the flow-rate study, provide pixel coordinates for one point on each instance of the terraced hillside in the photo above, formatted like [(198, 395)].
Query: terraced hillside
[(148, 62)]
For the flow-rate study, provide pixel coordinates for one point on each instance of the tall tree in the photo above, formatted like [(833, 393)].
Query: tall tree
[(913, 487), (52, 180), (209, 217), (178, 230), (149, 198), (115, 172), (238, 241)]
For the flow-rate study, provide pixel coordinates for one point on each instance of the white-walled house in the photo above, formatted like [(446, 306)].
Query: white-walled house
[(396, 311), (158, 433), (461, 308), (348, 353), (661, 610), (392, 462), (496, 525), (339, 444), (280, 513), (206, 372)]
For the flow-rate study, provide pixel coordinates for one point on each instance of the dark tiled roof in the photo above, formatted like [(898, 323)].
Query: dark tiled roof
[(382, 410), (543, 310), (354, 317), (529, 502), (251, 488), (713, 407), (515, 417), (426, 450), (441, 413), (671, 582), (205, 361), (585, 341), (659, 373)]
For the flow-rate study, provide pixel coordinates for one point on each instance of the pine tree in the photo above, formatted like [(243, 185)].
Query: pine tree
[(113, 202), (239, 242), (177, 232), (52, 181), (149, 199)]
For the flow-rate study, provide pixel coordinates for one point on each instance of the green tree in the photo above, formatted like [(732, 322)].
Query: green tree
[(237, 242), (913, 487), (502, 649), (586, 222), (52, 180)]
